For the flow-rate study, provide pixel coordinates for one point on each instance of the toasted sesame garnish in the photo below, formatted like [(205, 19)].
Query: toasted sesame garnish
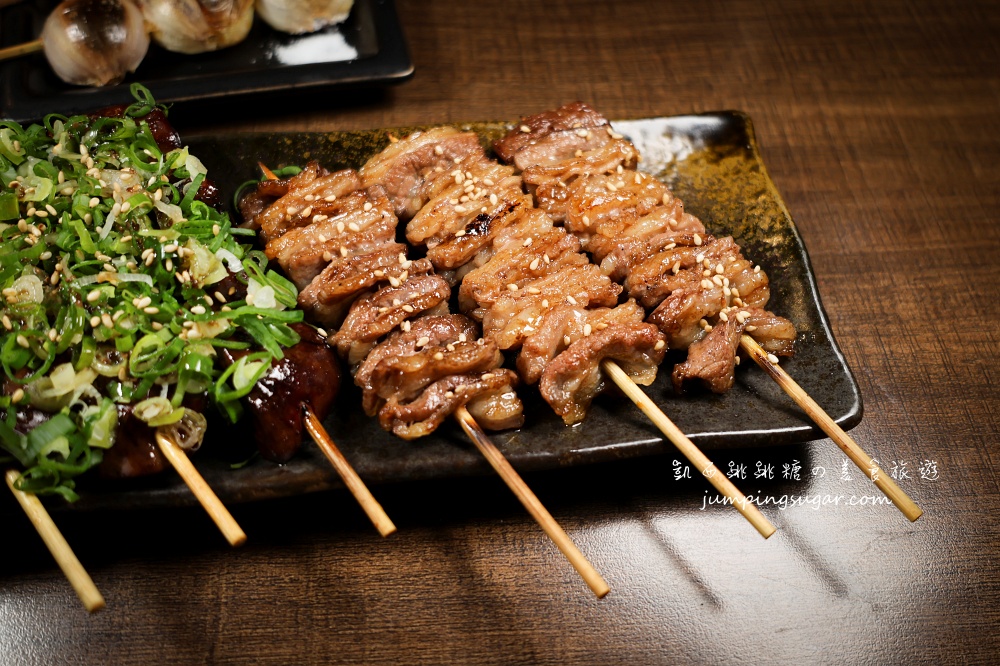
[(525, 129), (697, 239), (587, 330), (407, 308), (423, 341), (512, 286), (750, 328), (660, 344), (567, 340), (723, 316), (405, 326), (772, 358)]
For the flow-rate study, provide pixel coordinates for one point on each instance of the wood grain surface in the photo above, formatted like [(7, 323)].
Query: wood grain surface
[(880, 124)]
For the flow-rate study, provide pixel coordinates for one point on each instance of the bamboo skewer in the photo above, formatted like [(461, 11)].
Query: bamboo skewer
[(864, 462), (202, 491), (57, 545), (701, 462), (323, 440), (351, 479), (537, 510), (21, 49)]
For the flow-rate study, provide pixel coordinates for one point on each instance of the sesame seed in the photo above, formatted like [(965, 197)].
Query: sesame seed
[(697, 239), (423, 341), (394, 281), (438, 150), (23, 341), (170, 248), (126, 207), (706, 284), (546, 258), (459, 233), (354, 227), (723, 316), (512, 286), (660, 344), (198, 310), (95, 322), (676, 268), (750, 328), (534, 264), (327, 256), (449, 394), (462, 337), (169, 264), (93, 296), (408, 308), (719, 269), (545, 302), (7, 323), (772, 358), (533, 290), (717, 280), (527, 242), (52, 211), (330, 198), (587, 330), (566, 340), (368, 206), (493, 199), (379, 273), (53, 334), (525, 129), (438, 356), (152, 310), (343, 251), (17, 396), (756, 269), (571, 300), (107, 320), (586, 221), (405, 326), (291, 210), (459, 209), (700, 258)]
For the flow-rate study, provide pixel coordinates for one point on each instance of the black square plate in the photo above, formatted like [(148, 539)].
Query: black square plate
[(711, 161), (368, 48)]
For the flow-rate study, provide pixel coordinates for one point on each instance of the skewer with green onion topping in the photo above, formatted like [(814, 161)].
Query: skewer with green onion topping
[(119, 287)]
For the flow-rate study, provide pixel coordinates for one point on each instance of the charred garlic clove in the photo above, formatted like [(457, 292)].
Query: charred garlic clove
[(197, 26), (95, 42), (300, 16)]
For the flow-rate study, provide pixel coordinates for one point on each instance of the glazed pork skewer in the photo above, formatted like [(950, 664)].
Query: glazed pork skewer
[(582, 172), (336, 240), (528, 282)]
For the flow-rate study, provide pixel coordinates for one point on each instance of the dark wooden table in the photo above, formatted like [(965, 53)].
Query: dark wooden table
[(880, 124)]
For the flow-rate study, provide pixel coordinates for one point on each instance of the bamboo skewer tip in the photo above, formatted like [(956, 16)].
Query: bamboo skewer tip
[(216, 510), (350, 477), (690, 451), (555, 532), (862, 460), (64, 556)]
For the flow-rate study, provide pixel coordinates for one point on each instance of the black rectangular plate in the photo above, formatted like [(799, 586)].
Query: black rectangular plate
[(712, 162), (254, 67)]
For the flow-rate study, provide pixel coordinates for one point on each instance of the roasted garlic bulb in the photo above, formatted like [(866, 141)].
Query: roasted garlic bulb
[(300, 16), (95, 42), (197, 26)]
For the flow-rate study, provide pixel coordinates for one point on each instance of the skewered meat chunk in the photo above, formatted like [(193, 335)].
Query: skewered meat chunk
[(563, 325), (775, 334), (365, 224), (280, 205), (713, 358), (422, 416), (330, 294), (553, 136), (411, 360), (376, 314), (572, 380), (553, 184), (410, 169)]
